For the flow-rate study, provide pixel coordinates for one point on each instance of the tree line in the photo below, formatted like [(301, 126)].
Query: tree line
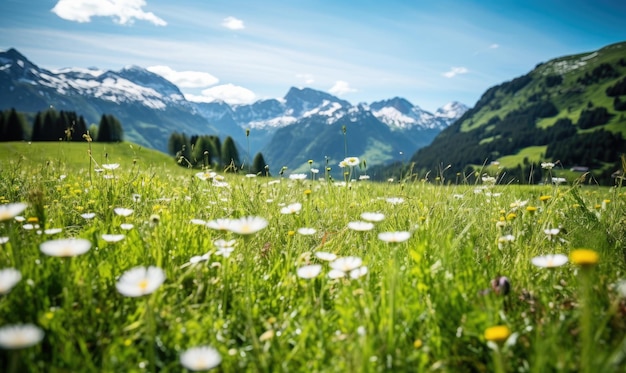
[(53, 125), (208, 151)]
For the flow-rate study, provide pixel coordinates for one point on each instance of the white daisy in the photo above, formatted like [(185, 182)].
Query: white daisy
[(297, 176), (9, 277), (323, 255), (358, 272), (351, 161), (346, 263), (11, 210), (200, 358), (360, 226), (121, 211), (395, 200), (372, 216), (549, 261), (309, 271), (140, 281), (219, 224), (20, 336), (111, 166), (335, 273), (307, 231), (394, 236), (293, 208), (65, 247), (248, 225), (113, 237), (88, 215)]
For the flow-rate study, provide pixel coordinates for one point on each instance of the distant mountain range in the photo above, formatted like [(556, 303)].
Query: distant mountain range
[(150, 108)]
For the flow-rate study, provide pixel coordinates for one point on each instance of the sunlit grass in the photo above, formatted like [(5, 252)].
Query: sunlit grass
[(257, 274)]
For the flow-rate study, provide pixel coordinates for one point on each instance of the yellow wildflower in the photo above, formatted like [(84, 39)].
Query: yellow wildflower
[(497, 333), (584, 257)]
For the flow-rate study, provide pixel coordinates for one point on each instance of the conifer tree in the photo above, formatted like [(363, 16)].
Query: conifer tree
[(104, 129), (14, 126), (258, 165), (38, 130), (230, 155)]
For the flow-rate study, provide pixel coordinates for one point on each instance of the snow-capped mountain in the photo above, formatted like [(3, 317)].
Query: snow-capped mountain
[(400, 114), (151, 108)]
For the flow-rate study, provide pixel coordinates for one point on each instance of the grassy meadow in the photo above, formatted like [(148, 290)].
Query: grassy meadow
[(298, 274)]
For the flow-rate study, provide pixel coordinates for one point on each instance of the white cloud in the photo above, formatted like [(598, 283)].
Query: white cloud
[(307, 78), (185, 79), (455, 71), (233, 23), (340, 88), (229, 93), (122, 11), (494, 46)]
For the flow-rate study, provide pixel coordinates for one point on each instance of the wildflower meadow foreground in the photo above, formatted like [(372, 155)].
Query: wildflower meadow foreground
[(130, 267)]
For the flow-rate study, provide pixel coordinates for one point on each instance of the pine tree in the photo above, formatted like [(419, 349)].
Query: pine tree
[(104, 129), (38, 130), (14, 126), (230, 155), (79, 128), (258, 165)]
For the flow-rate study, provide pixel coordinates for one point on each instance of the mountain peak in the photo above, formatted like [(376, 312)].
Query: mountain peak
[(451, 110)]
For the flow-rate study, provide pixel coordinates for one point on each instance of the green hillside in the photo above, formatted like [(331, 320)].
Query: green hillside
[(570, 111), (74, 157)]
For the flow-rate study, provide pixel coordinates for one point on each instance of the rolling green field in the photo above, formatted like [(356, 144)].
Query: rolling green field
[(299, 275)]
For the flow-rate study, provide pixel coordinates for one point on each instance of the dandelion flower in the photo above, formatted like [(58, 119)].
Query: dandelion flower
[(372, 216), (323, 255), (360, 226), (9, 277), (140, 281), (113, 237), (306, 231), (497, 333), (549, 261), (111, 166), (65, 247), (11, 210), (584, 257), (20, 336), (248, 225), (394, 236), (293, 208), (346, 263), (200, 358), (121, 211), (309, 271)]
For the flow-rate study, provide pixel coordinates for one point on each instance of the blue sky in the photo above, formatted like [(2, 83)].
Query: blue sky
[(429, 52)]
